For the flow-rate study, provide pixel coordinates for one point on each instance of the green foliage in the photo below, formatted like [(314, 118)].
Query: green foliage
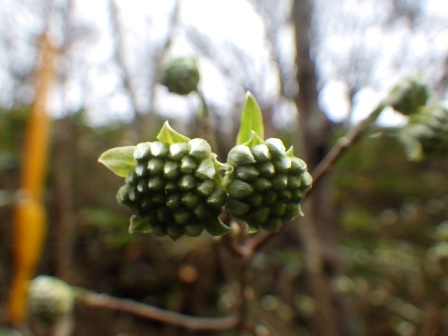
[(251, 121), (426, 134), (119, 160)]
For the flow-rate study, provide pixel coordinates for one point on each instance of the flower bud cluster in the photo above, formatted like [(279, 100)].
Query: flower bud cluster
[(266, 185), (175, 187)]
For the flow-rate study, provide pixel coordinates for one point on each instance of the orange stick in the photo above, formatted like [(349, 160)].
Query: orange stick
[(29, 221)]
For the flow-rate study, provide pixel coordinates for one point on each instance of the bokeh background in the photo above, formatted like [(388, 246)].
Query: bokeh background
[(379, 222)]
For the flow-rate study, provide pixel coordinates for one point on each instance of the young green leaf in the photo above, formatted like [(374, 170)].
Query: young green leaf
[(251, 120), (215, 226), (168, 135), (120, 160), (139, 224)]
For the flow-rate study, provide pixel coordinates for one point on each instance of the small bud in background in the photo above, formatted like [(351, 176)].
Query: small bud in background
[(50, 298), (408, 95), (181, 75)]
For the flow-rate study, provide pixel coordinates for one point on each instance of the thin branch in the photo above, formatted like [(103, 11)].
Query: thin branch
[(343, 144), (105, 301)]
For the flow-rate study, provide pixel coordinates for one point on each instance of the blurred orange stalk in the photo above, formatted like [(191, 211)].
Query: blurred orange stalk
[(29, 221)]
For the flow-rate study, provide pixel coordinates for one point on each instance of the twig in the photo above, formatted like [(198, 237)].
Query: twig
[(105, 301), (344, 143)]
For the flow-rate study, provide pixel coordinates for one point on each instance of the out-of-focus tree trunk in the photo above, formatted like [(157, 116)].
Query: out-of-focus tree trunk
[(317, 229), (63, 166), (63, 180)]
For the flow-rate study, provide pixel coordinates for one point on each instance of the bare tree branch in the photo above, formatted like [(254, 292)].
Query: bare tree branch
[(105, 301)]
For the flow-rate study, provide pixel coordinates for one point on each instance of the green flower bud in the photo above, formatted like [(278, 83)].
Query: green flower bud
[(173, 187), (266, 169), (182, 216), (247, 173), (159, 149), (142, 151), (155, 166), (155, 183), (180, 75), (206, 170), (206, 188), (279, 182), (261, 153), (171, 170), (141, 170), (285, 195), (238, 208), (217, 198), (256, 200), (408, 95), (142, 186), (298, 166), (173, 201), (187, 182), (200, 149), (278, 209), (188, 165), (240, 155), (276, 147), (179, 150), (190, 200), (170, 186), (265, 181), (201, 211), (238, 189), (261, 184)]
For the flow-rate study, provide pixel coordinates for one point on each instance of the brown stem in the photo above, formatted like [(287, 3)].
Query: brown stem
[(105, 301), (343, 144)]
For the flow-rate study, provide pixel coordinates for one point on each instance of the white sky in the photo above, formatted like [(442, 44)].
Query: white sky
[(234, 21)]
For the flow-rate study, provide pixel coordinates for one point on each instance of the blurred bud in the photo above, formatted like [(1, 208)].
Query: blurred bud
[(50, 298), (181, 75), (408, 95)]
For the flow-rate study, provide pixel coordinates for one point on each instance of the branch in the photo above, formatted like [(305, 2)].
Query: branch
[(344, 143), (105, 301)]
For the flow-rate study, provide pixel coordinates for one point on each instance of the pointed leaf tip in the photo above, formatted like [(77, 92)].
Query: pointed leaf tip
[(120, 160), (251, 120), (168, 135)]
